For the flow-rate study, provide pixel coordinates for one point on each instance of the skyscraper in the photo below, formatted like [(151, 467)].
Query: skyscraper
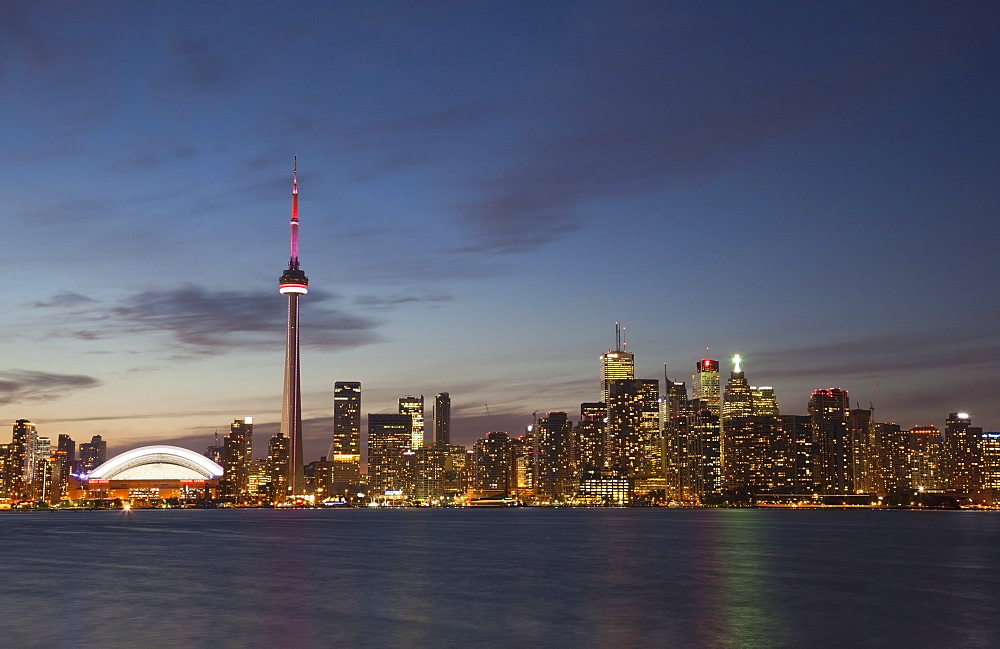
[(388, 436), (293, 283), (93, 454), (738, 396), (616, 364), (442, 419), (237, 458), (345, 452), (964, 466), (23, 459), (554, 470), (414, 406), (833, 454), (706, 385)]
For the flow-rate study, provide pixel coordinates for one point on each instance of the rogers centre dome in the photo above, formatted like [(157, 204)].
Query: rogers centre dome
[(158, 463)]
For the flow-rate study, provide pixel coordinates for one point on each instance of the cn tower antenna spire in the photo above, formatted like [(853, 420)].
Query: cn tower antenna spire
[(293, 263)]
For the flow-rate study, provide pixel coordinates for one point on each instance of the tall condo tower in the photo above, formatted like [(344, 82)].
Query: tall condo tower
[(293, 283)]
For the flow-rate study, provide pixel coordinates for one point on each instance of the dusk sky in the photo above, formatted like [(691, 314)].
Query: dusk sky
[(485, 189)]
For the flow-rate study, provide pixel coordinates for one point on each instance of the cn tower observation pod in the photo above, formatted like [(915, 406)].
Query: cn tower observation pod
[(158, 463)]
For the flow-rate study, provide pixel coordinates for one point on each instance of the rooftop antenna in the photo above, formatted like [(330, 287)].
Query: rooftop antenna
[(618, 337)]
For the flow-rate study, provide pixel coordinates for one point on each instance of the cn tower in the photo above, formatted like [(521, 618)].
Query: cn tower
[(293, 283)]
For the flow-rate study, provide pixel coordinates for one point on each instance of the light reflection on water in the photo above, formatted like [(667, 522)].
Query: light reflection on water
[(500, 578)]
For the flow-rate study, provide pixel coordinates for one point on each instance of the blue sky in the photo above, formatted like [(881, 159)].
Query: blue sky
[(485, 189)]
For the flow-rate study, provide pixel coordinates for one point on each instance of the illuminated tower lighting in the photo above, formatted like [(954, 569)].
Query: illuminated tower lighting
[(293, 283)]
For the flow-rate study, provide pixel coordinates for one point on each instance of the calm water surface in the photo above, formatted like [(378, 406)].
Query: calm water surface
[(500, 578)]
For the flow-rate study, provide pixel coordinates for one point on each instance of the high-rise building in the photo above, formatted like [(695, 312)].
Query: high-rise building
[(442, 419), (23, 459), (414, 407), (616, 365), (623, 446), (345, 452), (796, 452), (925, 454), (891, 472), (764, 401), (293, 283), (237, 459), (706, 385), (278, 467), (833, 454), (863, 452), (738, 401), (989, 444), (493, 469), (555, 478), (589, 436), (962, 453), (429, 465), (93, 454), (389, 434)]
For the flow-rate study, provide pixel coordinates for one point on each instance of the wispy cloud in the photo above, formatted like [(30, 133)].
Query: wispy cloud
[(390, 301), (886, 354), (212, 321), (198, 65), (19, 386)]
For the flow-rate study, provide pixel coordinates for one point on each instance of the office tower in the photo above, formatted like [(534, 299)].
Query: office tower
[(589, 436), (623, 443), (293, 283), (388, 436), (925, 451), (493, 468), (93, 454), (833, 455), (764, 401), (964, 470), (738, 400), (442, 419), (616, 365), (414, 407), (706, 385), (796, 449), (555, 478), (278, 468), (237, 459), (345, 451)]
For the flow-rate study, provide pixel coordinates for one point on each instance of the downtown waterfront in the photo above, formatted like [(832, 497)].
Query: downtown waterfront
[(516, 577)]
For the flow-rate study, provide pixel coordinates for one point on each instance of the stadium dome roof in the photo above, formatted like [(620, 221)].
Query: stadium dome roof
[(158, 463)]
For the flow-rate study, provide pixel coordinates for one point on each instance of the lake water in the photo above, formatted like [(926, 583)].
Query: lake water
[(529, 577)]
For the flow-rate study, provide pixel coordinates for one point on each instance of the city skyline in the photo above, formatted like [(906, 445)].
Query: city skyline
[(809, 187)]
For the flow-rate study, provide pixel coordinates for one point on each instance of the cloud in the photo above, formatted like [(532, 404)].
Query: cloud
[(453, 117), (64, 300), (197, 63), (884, 355), (18, 386), (387, 302), (214, 321)]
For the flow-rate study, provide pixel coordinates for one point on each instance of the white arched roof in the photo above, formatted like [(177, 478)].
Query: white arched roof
[(158, 463)]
